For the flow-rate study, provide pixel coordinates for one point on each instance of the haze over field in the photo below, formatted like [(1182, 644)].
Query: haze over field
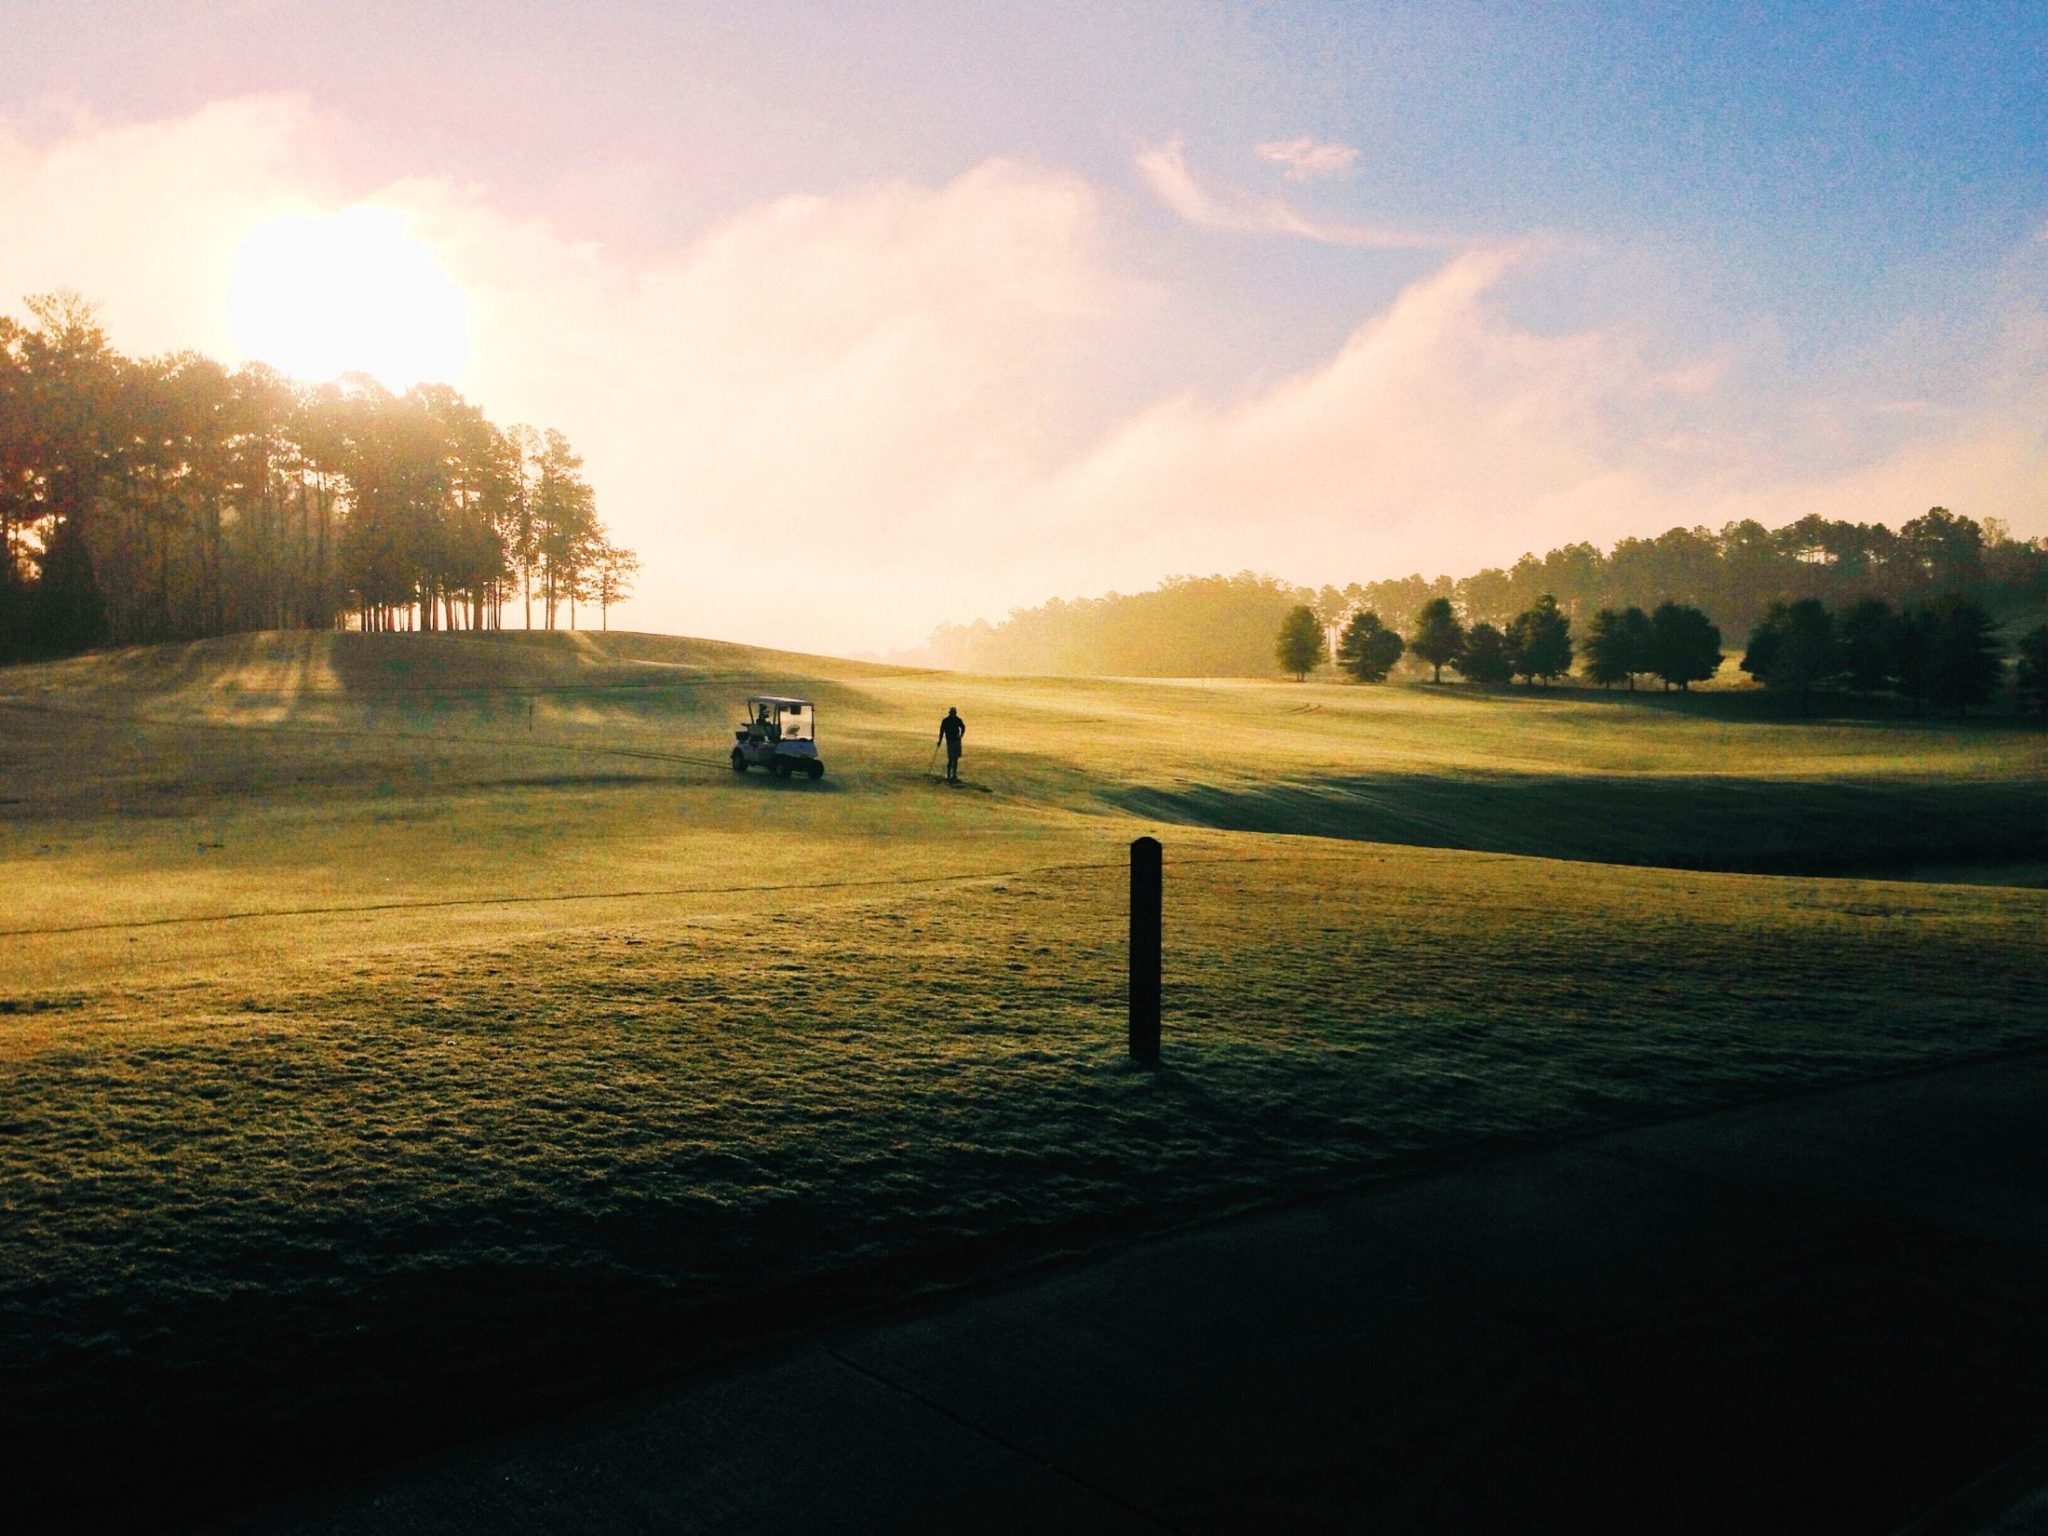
[(940, 313)]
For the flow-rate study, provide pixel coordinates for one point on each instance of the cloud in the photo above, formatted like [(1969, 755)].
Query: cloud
[(1304, 159), (812, 420), (806, 420), (147, 218), (1431, 431), (832, 421), (1442, 437), (1165, 169)]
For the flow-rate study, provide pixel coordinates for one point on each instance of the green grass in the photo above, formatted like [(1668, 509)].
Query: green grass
[(440, 1023)]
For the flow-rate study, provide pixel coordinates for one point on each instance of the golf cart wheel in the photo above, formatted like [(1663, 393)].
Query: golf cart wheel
[(781, 767), (739, 761), (815, 769)]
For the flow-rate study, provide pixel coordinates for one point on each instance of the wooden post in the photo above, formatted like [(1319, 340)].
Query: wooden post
[(1147, 882)]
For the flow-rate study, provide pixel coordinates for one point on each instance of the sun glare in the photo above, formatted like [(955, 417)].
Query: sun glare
[(320, 295)]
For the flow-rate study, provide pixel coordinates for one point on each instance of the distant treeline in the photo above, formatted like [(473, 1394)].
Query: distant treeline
[(1678, 645), (1943, 651), (1224, 625), (1190, 626), (170, 498)]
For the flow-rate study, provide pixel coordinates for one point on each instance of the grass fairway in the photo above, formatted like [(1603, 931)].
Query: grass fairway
[(440, 1021)]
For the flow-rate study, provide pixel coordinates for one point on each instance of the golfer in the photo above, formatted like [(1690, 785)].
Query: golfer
[(951, 729)]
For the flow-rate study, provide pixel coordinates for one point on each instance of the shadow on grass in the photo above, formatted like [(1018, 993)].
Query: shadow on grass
[(245, 1397), (1740, 706), (506, 674), (761, 781), (1750, 826)]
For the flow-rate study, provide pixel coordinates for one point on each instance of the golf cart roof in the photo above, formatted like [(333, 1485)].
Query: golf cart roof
[(770, 698)]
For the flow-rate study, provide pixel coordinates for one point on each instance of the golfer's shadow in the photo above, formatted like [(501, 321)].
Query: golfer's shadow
[(939, 781)]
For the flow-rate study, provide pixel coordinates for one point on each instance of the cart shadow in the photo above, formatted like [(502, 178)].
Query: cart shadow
[(768, 784)]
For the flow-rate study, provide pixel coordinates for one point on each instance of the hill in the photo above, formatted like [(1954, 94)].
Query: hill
[(406, 1031)]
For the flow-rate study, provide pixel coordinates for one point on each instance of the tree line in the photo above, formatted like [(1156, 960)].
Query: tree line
[(1737, 573), (1944, 651), (1678, 644), (1188, 626), (172, 498), (1224, 625)]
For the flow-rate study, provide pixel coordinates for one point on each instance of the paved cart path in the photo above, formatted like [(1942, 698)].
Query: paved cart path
[(1828, 1313)]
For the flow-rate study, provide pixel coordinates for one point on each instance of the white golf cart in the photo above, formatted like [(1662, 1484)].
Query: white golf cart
[(780, 735)]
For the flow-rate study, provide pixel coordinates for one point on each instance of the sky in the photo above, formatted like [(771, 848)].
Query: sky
[(868, 317)]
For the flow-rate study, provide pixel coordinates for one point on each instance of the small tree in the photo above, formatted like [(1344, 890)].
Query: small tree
[(613, 578), (1614, 650), (1369, 649), (1910, 655), (1541, 639), (1794, 649), (1963, 652), (1301, 641), (1438, 637), (66, 612), (1684, 645), (2030, 677), (1639, 643), (1865, 628), (1486, 658)]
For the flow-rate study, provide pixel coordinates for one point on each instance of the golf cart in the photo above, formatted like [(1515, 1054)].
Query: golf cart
[(780, 735)]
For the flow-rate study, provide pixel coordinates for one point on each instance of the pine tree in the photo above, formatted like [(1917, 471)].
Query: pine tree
[(1794, 649), (1300, 645), (1865, 630), (1368, 649), (1541, 641), (616, 568), (66, 614), (1963, 654), (1486, 658), (1438, 635), (1911, 655), (1684, 646), (1613, 646), (2030, 676)]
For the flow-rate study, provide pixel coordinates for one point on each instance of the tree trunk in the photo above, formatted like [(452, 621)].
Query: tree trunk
[(163, 563), (320, 587)]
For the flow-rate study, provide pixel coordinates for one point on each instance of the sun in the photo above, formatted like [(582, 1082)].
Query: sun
[(318, 295)]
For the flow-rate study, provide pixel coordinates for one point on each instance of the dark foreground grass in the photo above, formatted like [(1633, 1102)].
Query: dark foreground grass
[(266, 1229)]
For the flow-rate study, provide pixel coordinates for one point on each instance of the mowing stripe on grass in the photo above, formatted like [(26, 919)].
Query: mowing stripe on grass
[(627, 895)]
